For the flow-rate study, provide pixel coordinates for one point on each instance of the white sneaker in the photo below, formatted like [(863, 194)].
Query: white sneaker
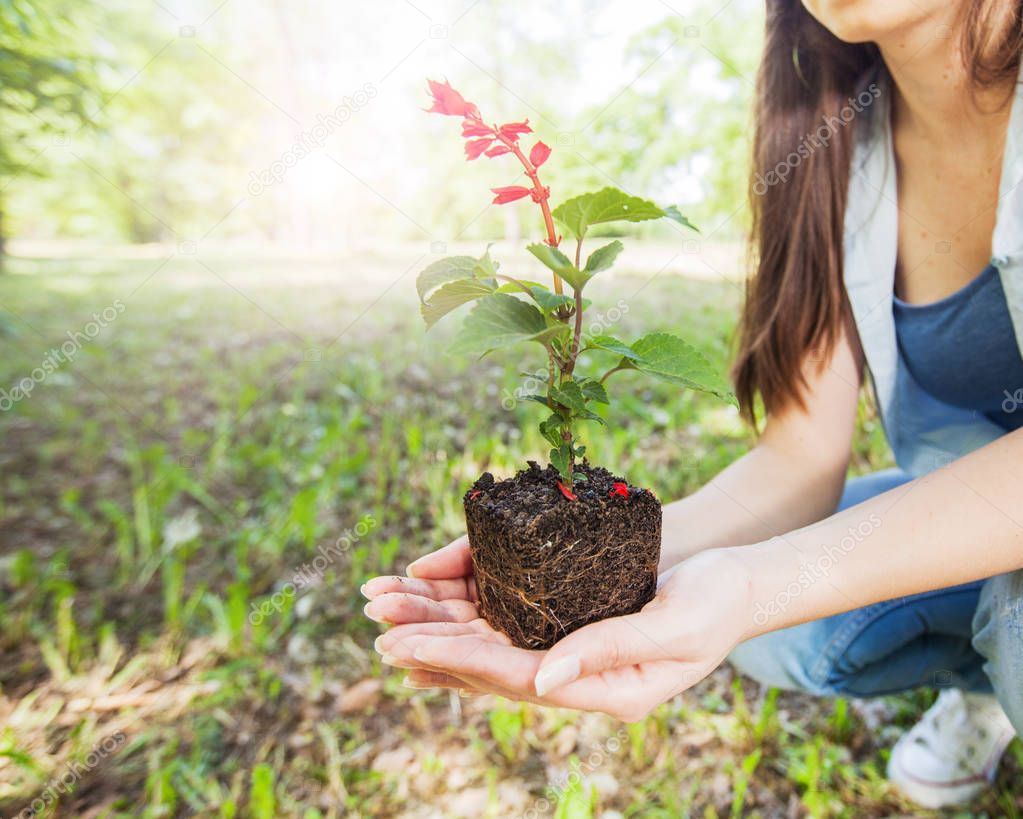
[(951, 755)]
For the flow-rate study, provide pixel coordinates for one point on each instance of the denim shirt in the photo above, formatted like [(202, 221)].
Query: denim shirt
[(924, 432)]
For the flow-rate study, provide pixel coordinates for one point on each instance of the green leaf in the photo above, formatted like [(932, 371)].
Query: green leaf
[(451, 295), (540, 399), (594, 391), (559, 263), (589, 415), (611, 345), (551, 429), (670, 358), (485, 266), (513, 287), (571, 395), (560, 458), (608, 205), (499, 320), (672, 212), (603, 257), (548, 300), (444, 270)]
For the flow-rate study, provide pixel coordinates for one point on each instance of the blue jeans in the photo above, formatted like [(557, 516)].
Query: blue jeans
[(968, 636)]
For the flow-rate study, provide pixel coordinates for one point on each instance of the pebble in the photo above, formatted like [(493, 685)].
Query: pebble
[(394, 761), (360, 696)]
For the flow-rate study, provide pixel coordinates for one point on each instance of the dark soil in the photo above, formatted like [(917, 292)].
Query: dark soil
[(546, 565)]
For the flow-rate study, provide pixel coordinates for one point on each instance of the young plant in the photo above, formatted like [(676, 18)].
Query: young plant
[(509, 310)]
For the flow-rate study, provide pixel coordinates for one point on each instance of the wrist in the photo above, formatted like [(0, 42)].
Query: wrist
[(731, 574), (780, 585)]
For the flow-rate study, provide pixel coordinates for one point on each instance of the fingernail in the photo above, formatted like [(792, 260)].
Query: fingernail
[(378, 645), (419, 654), (369, 614), (388, 659), (408, 682), (559, 673), (362, 590), (408, 569)]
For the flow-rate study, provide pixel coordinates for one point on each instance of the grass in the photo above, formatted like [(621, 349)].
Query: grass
[(191, 501)]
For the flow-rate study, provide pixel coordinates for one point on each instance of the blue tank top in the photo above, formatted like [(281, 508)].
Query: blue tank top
[(963, 350)]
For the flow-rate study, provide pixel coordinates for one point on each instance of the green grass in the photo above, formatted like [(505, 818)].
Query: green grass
[(228, 428)]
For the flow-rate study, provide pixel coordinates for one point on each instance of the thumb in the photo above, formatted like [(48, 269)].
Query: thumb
[(454, 560), (611, 643)]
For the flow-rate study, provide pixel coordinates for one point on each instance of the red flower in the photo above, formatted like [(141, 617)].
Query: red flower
[(566, 491), (512, 130), (475, 128), (509, 194), (539, 154), (498, 150), (475, 147), (446, 100), (619, 488)]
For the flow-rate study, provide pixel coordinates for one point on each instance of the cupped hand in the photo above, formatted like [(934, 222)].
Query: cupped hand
[(623, 666), (439, 588), (438, 597)]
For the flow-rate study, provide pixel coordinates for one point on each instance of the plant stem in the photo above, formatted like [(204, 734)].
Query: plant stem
[(540, 196), (604, 377), (516, 282), (577, 332)]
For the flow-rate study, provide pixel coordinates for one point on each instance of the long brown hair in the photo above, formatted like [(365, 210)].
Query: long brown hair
[(795, 301)]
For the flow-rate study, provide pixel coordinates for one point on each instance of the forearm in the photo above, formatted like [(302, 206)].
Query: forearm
[(956, 525), (765, 493)]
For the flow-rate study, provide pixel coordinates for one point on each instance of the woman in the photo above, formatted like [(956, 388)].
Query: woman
[(889, 236)]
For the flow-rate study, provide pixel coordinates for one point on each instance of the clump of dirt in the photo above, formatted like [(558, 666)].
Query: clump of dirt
[(547, 564)]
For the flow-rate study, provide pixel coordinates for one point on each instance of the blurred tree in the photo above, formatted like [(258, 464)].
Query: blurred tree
[(197, 103), (45, 85), (681, 131)]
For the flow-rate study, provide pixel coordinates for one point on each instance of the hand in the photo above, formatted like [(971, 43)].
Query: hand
[(623, 666), (438, 597), (439, 588)]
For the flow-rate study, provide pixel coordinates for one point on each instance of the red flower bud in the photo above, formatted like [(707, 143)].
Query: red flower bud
[(475, 147), (446, 100), (475, 128), (539, 154), (566, 491), (512, 130), (619, 488), (509, 194)]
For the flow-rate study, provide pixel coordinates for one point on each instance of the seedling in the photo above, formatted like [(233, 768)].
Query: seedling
[(508, 310), (554, 549)]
